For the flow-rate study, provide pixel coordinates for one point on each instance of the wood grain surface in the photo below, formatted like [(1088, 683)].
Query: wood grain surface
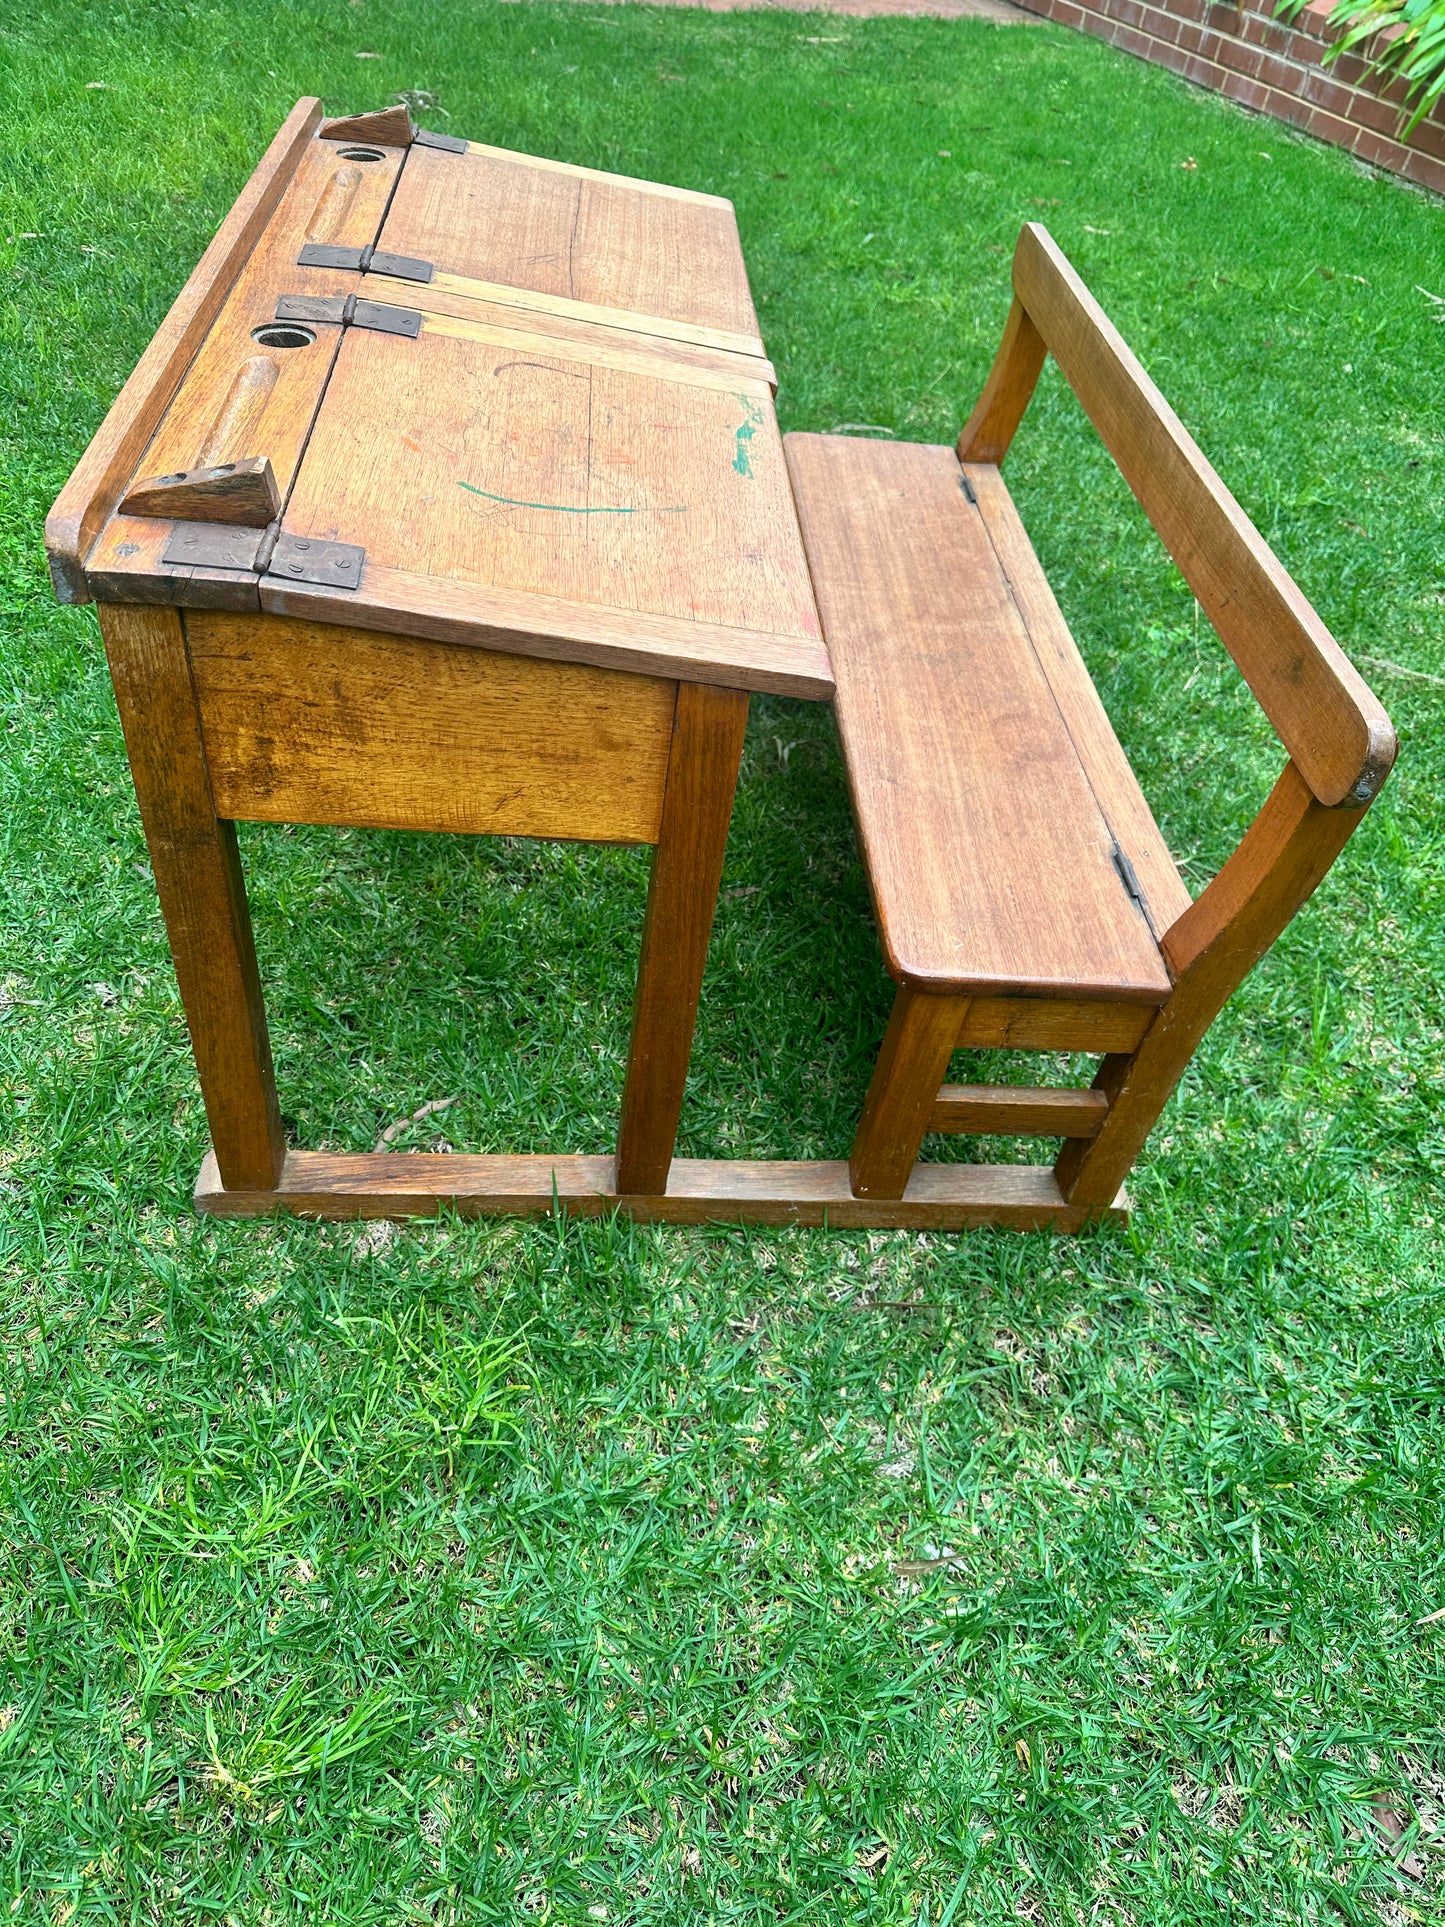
[(577, 322), (569, 232), (537, 472), (1115, 787), (1014, 1110), (465, 293), (707, 746), (1279, 863), (100, 477), (544, 625), (992, 863), (944, 1197), (903, 1094), (1335, 730), (203, 899), (1007, 392), (311, 723), (1052, 1024)]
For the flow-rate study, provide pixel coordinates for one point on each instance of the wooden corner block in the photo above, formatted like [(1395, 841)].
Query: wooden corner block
[(388, 127), (242, 493)]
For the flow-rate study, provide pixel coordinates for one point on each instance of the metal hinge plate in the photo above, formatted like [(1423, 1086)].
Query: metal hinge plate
[(335, 565), (401, 267), (213, 545), (350, 311), (448, 143), (324, 254)]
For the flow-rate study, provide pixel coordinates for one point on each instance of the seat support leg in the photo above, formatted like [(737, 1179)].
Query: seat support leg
[(1211, 949), (921, 1037)]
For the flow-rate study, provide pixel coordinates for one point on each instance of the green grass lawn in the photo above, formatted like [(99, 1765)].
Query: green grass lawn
[(579, 1573)]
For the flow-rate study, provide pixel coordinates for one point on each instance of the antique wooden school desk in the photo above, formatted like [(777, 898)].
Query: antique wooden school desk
[(449, 496)]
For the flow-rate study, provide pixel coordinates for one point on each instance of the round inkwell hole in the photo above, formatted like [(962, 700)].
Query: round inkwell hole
[(283, 334), (362, 154)]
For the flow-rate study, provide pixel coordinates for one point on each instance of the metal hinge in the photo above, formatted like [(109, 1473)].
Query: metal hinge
[(294, 558), (304, 559), (965, 485), (401, 267), (350, 311), (448, 143)]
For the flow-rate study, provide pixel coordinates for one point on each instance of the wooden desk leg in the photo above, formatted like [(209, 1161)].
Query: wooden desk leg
[(702, 773), (203, 897)]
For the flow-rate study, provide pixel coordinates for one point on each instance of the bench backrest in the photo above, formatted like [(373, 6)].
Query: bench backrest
[(1336, 732)]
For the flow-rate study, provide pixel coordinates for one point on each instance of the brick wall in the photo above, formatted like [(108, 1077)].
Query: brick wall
[(1273, 69)]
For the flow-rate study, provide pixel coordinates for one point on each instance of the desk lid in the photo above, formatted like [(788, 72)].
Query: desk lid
[(497, 400)]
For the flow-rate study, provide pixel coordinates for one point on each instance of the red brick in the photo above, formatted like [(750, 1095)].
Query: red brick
[(1331, 128), (1378, 149), (1424, 170), (1247, 92), (1252, 62)]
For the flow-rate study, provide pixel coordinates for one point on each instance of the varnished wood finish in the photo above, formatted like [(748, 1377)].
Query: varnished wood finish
[(1285, 853), (1336, 732), (243, 494), (198, 878), (533, 472), (522, 623), (940, 1197), (462, 295), (707, 747), (242, 396), (387, 127), (543, 164), (1113, 783), (738, 375), (312, 723), (568, 232), (1052, 1024), (100, 477), (920, 1039), (1007, 392), (990, 854), (1008, 1110)]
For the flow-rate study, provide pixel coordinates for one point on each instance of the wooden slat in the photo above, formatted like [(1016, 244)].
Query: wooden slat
[(1007, 1110), (198, 879), (526, 471), (1328, 719), (466, 293), (1283, 856), (309, 723), (707, 746), (992, 867), (942, 1197), (109, 462), (1115, 787), (627, 354), (502, 219), (1037, 1023), (542, 625)]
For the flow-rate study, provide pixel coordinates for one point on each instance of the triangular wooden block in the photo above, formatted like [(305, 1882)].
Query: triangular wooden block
[(388, 127), (243, 493)]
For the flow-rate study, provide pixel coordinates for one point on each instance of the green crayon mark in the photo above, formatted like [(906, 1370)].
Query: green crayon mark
[(744, 434), (566, 508)]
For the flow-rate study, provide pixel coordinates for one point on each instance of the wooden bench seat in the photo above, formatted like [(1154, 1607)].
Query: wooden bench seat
[(1024, 894), (1008, 846)]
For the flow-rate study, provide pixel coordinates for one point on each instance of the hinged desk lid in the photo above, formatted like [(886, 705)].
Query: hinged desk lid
[(563, 445)]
